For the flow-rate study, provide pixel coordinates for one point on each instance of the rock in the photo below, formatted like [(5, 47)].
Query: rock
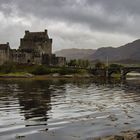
[(56, 75), (91, 138), (138, 134), (126, 123), (130, 136), (113, 118), (118, 138), (20, 137), (68, 76), (97, 138), (29, 75)]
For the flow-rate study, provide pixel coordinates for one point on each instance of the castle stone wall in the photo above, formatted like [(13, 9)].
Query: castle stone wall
[(35, 48), (4, 53)]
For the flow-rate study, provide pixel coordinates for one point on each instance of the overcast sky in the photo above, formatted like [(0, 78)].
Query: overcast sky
[(72, 23)]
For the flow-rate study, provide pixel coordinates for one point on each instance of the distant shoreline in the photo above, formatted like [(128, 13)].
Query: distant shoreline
[(28, 76), (45, 77)]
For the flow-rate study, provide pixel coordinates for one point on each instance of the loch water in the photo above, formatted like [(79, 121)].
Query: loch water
[(77, 109)]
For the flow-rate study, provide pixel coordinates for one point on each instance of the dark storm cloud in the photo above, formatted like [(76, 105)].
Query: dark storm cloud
[(104, 16), (126, 6), (110, 15)]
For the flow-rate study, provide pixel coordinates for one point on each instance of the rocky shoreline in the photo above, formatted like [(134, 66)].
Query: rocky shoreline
[(126, 135)]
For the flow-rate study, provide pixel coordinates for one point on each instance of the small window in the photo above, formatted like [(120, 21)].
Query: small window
[(28, 61)]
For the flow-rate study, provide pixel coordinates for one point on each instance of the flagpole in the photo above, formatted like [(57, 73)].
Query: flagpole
[(107, 64)]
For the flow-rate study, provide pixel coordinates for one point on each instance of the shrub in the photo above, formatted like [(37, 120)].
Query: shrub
[(117, 66), (8, 67), (40, 70), (100, 65), (65, 71)]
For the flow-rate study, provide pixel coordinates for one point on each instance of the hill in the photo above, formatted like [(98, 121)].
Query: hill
[(75, 53), (126, 53), (130, 51)]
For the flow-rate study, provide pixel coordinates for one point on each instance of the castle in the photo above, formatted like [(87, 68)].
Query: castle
[(35, 48)]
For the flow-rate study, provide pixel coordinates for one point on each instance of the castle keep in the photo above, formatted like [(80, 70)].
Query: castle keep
[(35, 48)]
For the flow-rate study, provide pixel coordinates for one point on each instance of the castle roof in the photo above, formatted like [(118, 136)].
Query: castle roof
[(33, 35)]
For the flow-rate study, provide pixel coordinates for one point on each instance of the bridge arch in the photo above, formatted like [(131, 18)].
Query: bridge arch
[(113, 71), (125, 71), (108, 72)]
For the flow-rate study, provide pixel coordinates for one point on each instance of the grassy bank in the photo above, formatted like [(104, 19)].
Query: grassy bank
[(16, 70), (16, 74)]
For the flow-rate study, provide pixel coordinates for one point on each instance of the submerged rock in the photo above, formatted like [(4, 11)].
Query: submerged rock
[(113, 118), (55, 75), (118, 137), (138, 134)]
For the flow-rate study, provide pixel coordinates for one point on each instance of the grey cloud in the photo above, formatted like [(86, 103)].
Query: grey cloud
[(104, 16), (129, 6), (77, 12)]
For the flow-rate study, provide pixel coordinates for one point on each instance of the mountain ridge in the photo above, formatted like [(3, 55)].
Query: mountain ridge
[(129, 51), (75, 53)]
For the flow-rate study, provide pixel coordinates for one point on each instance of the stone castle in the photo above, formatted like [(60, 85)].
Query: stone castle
[(35, 48)]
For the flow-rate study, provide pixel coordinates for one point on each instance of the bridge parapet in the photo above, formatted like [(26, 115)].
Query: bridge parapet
[(126, 70), (109, 71)]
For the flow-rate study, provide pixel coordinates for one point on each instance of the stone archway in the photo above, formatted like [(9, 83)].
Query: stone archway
[(113, 71), (127, 70)]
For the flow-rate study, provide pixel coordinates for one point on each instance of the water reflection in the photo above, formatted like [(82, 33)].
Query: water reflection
[(31, 105), (35, 101), (33, 97)]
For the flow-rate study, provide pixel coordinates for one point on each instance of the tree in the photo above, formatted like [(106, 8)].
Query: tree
[(117, 66), (79, 63), (99, 65), (8, 67), (40, 70), (72, 63)]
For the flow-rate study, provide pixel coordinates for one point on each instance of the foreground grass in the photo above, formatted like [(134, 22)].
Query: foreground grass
[(40, 71), (15, 74), (11, 69)]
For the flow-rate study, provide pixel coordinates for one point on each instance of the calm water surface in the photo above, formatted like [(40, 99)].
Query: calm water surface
[(61, 109)]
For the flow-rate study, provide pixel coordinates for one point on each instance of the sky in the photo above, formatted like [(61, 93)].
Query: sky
[(86, 24)]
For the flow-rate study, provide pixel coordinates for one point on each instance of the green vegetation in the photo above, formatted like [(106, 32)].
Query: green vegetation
[(12, 69), (67, 70), (40, 70), (75, 68), (8, 67), (16, 74), (79, 63), (100, 65), (116, 66)]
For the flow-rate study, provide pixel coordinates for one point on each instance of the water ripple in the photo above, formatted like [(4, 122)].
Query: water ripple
[(30, 106)]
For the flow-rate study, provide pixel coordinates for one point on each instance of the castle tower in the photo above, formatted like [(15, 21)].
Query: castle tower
[(38, 42)]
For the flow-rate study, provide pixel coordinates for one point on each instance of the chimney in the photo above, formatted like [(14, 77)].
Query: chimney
[(7, 43), (46, 31), (26, 32)]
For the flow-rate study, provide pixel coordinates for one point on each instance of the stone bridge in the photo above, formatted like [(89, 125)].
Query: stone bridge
[(126, 70), (122, 71)]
